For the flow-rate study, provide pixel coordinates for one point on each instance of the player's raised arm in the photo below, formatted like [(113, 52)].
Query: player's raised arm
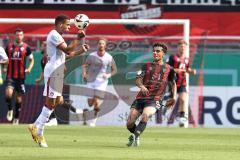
[(73, 45)]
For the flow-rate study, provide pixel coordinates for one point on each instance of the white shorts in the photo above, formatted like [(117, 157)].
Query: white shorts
[(53, 87), (97, 88)]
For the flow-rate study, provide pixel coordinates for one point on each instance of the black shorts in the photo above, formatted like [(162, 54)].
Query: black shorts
[(181, 89), (140, 104), (16, 84)]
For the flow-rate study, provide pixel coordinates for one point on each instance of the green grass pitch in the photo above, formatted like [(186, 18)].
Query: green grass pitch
[(109, 143)]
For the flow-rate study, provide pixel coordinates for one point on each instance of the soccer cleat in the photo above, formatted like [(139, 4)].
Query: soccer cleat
[(183, 122), (15, 121), (93, 123), (41, 141), (33, 130), (137, 142), (52, 122), (131, 140), (10, 115)]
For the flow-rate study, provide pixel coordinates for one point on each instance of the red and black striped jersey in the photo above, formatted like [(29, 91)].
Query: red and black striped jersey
[(17, 60), (155, 78), (181, 63)]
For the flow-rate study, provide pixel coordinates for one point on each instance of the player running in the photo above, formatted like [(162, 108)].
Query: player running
[(97, 69), (152, 80)]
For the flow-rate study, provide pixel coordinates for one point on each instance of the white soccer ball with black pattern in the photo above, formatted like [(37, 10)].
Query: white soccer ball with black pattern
[(81, 21)]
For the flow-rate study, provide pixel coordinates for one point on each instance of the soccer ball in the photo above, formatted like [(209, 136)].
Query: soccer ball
[(81, 21)]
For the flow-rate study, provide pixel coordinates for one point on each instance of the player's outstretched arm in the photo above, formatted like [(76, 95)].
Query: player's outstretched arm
[(68, 49), (191, 71)]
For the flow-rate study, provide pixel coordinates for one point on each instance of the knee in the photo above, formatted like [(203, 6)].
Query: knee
[(97, 109), (8, 99), (19, 100), (145, 117), (129, 125), (50, 105)]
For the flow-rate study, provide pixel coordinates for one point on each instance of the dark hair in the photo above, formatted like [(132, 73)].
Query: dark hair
[(61, 19), (182, 42), (18, 30), (164, 47)]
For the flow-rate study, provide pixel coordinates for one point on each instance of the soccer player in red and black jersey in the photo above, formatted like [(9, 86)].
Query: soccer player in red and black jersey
[(17, 53), (180, 63), (152, 80)]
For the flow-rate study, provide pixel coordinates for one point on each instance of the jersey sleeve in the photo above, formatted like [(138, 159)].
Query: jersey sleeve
[(113, 63), (56, 39), (170, 60), (172, 75), (3, 54), (29, 51)]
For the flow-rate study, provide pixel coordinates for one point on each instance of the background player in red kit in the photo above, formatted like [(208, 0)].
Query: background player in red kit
[(152, 80), (180, 63), (17, 52)]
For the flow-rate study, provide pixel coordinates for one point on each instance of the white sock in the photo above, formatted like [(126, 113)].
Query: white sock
[(95, 119), (42, 119)]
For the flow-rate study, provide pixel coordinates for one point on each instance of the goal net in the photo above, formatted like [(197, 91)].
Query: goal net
[(130, 43)]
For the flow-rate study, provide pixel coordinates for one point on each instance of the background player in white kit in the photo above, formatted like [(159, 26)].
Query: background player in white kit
[(54, 73), (97, 69), (3, 60)]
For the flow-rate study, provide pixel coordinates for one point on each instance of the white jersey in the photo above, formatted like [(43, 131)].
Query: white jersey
[(3, 55), (56, 57), (98, 66)]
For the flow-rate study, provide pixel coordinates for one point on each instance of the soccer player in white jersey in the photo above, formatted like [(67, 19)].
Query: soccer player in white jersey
[(54, 73), (97, 69), (3, 60)]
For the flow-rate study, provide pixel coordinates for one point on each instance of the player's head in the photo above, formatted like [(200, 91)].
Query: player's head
[(62, 23), (182, 45), (19, 35), (159, 50), (102, 44)]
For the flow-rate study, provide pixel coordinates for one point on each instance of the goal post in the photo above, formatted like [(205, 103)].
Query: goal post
[(185, 23)]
